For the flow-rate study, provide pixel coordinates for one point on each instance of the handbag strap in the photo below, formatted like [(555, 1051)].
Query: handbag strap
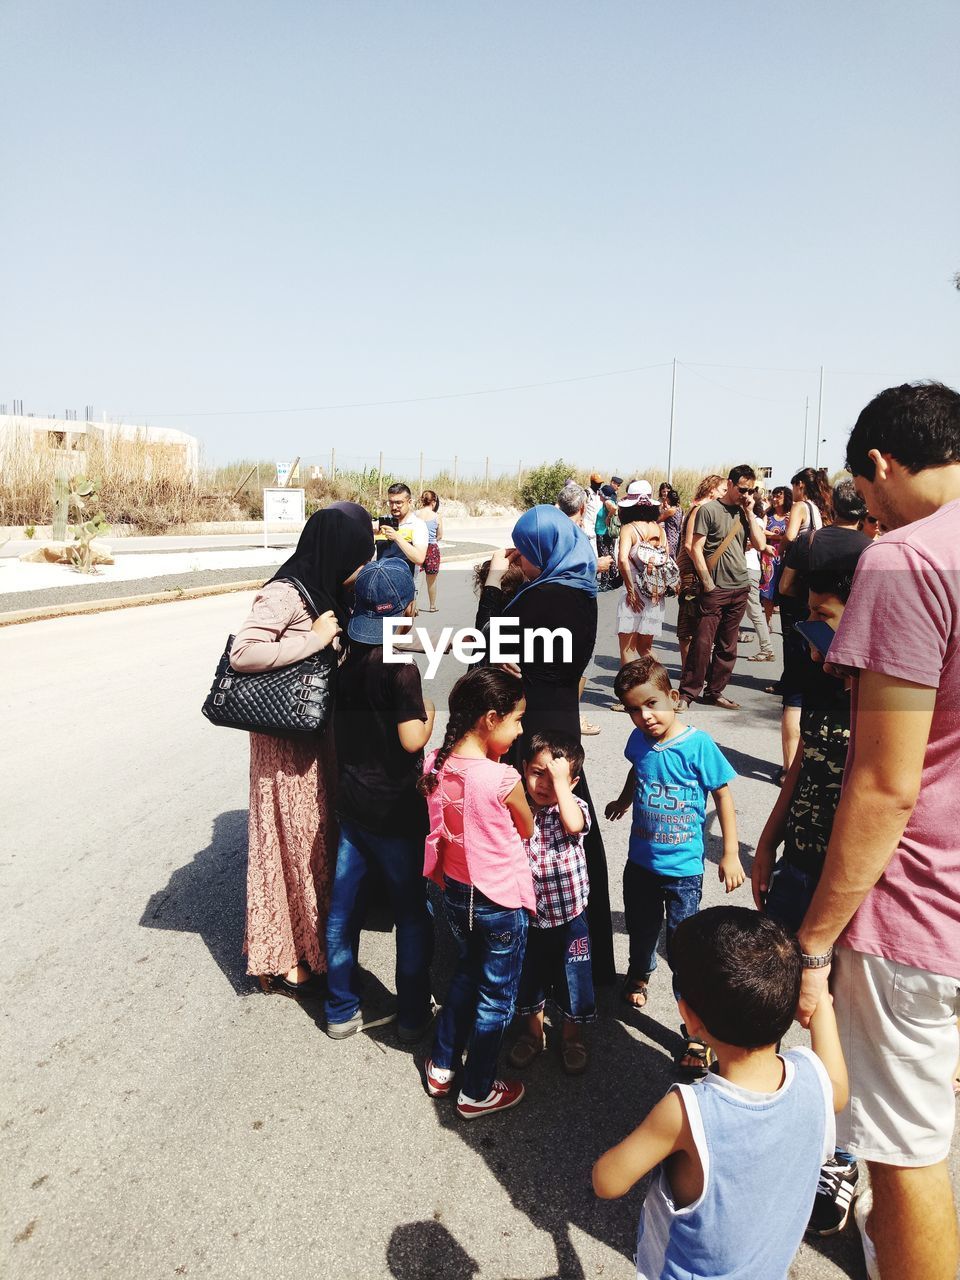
[(714, 559), (305, 594)]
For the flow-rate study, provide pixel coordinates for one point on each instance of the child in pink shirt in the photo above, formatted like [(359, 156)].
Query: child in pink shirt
[(478, 815)]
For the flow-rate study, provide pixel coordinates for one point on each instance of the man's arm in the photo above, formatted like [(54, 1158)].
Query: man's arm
[(758, 534), (700, 561), (415, 553), (879, 793)]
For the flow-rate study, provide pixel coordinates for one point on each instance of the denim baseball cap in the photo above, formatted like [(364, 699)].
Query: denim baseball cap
[(383, 590)]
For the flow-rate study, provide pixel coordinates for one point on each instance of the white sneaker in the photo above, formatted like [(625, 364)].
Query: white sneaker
[(861, 1208)]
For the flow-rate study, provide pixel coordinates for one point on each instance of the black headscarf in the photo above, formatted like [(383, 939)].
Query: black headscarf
[(335, 542)]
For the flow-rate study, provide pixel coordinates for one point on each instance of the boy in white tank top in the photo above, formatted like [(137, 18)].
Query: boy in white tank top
[(740, 1151)]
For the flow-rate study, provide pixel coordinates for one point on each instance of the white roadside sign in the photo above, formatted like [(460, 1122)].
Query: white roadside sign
[(283, 505)]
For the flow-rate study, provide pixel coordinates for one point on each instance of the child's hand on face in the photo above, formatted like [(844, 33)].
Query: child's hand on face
[(559, 771), (731, 872), (616, 809)]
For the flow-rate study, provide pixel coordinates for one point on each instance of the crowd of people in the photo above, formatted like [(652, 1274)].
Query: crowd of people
[(855, 877)]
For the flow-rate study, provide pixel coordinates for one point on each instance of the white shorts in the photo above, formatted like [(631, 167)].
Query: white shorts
[(898, 1028), (648, 622)]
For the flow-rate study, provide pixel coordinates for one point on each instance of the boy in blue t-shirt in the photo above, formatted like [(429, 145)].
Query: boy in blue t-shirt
[(673, 766)]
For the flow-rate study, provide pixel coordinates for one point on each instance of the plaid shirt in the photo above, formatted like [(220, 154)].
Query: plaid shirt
[(559, 867)]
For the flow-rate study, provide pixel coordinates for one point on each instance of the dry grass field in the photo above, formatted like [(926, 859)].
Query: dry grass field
[(147, 485)]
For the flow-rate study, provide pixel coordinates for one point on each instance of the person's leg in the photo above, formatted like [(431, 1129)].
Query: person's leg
[(573, 985), (500, 939), (627, 641), (701, 645), (731, 608), (643, 916), (531, 996), (343, 925), (913, 1222), (598, 905), (756, 614), (643, 645), (401, 861), (432, 590), (899, 1037), (459, 1006), (681, 899)]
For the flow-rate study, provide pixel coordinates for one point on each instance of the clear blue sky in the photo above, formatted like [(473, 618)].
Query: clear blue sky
[(235, 206)]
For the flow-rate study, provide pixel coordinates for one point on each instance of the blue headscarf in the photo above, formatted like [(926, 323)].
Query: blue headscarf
[(550, 540)]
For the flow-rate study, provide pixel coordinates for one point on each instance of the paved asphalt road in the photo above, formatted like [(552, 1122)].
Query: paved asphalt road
[(159, 1116)]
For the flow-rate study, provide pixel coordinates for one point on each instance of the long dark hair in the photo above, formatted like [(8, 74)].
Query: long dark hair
[(816, 489), (480, 690)]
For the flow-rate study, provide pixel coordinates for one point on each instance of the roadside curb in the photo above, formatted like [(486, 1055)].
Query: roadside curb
[(45, 613)]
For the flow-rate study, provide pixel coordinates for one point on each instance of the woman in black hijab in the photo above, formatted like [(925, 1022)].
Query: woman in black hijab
[(292, 828)]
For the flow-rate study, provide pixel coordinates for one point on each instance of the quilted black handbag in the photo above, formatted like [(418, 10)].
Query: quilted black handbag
[(295, 701)]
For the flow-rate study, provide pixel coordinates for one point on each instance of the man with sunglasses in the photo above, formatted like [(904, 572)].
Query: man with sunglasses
[(720, 536)]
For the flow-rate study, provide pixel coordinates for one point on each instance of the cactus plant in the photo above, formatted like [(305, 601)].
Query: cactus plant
[(82, 497)]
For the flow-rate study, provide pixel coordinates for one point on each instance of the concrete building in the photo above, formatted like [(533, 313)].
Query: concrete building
[(68, 440)]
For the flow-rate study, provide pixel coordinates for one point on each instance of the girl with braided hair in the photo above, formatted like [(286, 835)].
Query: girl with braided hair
[(478, 817)]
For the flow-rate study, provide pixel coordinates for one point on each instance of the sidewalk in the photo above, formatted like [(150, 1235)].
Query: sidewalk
[(165, 570)]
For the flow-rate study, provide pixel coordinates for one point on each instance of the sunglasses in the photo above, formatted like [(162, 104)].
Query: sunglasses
[(872, 519), (743, 490)]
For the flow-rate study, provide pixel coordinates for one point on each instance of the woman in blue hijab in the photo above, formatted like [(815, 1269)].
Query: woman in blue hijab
[(560, 591)]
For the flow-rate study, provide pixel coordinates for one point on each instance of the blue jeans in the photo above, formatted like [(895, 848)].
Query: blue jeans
[(557, 963), (789, 895), (647, 898), (483, 989), (400, 859)]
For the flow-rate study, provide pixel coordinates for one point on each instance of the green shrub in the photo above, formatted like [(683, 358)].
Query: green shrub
[(543, 483)]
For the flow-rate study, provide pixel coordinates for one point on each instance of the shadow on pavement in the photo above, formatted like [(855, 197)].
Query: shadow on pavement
[(426, 1251), (208, 896)]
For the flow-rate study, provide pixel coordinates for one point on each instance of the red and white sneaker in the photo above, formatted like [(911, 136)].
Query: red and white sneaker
[(503, 1095), (437, 1087)]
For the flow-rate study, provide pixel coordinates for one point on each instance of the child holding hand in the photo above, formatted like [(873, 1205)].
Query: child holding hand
[(673, 767), (739, 1151), (478, 815), (557, 960)]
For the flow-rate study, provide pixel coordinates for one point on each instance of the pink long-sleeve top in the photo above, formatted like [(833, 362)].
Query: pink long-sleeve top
[(472, 836), (277, 632)]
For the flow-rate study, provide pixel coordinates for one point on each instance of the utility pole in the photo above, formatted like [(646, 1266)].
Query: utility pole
[(806, 414), (673, 414), (819, 418)]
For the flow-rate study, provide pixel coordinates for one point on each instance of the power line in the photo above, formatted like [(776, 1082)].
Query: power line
[(381, 404), (733, 390)]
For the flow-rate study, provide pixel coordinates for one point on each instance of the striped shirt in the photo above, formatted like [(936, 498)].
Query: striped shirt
[(558, 865)]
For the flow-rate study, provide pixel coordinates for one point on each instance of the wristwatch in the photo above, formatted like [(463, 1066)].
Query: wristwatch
[(816, 962)]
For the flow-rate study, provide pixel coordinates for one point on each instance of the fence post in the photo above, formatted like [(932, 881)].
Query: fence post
[(456, 479), (380, 480), (420, 490), (333, 465), (486, 475)]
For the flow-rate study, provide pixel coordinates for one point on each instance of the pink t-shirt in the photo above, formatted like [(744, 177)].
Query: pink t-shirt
[(903, 620), (472, 836)]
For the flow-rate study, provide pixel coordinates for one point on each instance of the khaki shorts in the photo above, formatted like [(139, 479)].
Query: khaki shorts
[(898, 1028)]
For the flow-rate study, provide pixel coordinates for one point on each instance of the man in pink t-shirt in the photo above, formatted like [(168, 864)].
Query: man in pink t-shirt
[(889, 896)]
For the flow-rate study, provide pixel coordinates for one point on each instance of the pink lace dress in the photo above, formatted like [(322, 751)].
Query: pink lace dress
[(292, 826)]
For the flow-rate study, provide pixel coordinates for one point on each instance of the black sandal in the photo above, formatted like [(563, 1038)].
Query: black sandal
[(701, 1053), (312, 988)]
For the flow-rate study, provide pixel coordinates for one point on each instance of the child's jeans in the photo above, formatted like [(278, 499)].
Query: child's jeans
[(557, 964), (483, 990), (647, 898), (400, 859), (789, 895)]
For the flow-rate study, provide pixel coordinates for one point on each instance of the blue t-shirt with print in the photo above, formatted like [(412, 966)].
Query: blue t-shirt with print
[(670, 800)]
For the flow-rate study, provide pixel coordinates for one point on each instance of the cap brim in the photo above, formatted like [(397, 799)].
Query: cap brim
[(367, 630)]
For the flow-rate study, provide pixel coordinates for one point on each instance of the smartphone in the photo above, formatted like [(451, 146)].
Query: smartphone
[(819, 635)]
